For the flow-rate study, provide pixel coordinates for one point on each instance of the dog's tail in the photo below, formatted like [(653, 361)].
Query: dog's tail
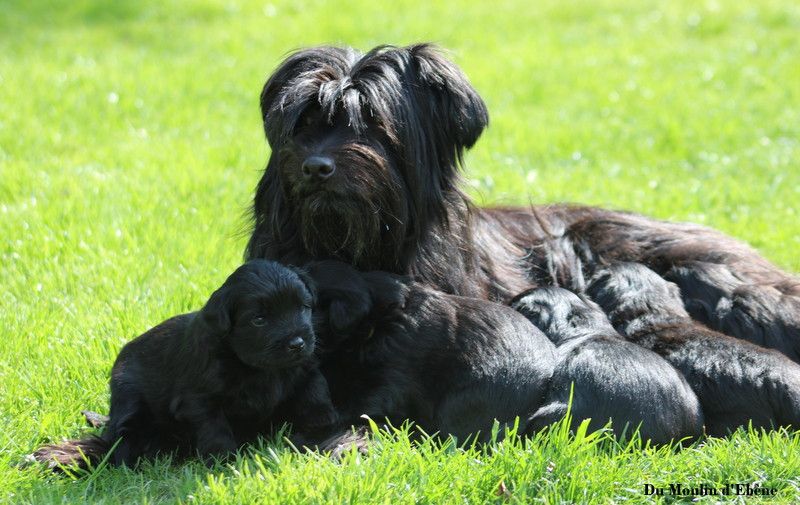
[(82, 453)]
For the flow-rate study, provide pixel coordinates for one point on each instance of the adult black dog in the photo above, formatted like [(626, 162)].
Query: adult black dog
[(613, 379), (737, 382), (398, 350), (366, 151), (212, 380)]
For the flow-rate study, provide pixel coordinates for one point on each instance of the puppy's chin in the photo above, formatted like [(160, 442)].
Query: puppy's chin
[(346, 227), (276, 361)]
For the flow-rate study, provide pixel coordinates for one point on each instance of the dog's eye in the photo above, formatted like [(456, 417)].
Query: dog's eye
[(308, 306), (258, 321)]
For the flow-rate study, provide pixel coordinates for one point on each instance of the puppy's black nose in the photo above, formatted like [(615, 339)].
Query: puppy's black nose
[(318, 167), (296, 344)]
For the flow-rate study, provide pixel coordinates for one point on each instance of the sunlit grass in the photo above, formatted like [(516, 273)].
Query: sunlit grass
[(130, 142)]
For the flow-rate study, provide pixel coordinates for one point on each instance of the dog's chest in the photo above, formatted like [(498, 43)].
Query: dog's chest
[(254, 396)]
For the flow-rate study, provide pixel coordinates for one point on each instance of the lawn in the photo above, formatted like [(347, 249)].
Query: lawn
[(130, 143)]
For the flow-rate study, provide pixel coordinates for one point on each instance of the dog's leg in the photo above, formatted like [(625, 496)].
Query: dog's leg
[(312, 408), (213, 435)]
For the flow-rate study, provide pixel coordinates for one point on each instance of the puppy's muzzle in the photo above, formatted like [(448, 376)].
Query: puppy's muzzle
[(296, 344)]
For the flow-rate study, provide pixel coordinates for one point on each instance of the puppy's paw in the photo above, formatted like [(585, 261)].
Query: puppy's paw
[(94, 419), (339, 445)]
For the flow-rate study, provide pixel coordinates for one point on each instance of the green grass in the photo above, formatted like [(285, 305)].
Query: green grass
[(130, 142)]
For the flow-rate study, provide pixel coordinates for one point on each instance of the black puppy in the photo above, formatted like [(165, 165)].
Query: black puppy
[(613, 379), (211, 380), (736, 381), (400, 350)]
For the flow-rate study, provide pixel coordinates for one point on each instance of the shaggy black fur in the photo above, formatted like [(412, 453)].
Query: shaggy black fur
[(736, 382), (613, 379), (209, 381), (366, 151), (450, 364)]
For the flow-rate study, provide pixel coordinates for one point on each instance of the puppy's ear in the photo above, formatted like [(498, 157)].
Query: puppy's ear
[(456, 108), (388, 291), (206, 330), (216, 314), (309, 283), (343, 294)]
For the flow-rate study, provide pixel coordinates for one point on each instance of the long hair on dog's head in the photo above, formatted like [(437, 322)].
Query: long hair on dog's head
[(395, 123)]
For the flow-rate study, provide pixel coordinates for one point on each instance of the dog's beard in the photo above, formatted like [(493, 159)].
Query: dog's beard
[(342, 227)]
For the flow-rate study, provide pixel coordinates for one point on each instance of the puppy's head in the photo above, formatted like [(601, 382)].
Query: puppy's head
[(344, 298), (263, 313), (629, 291), (365, 149), (350, 301), (561, 314)]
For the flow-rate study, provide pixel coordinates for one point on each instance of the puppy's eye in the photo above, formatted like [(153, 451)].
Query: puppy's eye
[(308, 306), (258, 321)]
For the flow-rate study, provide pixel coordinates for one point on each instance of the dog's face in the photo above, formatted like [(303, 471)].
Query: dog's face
[(263, 312), (344, 187), (364, 150)]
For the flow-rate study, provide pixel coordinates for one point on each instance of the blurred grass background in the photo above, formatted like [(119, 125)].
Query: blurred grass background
[(130, 143)]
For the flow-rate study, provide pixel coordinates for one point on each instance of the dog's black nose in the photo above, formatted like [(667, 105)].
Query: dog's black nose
[(296, 344), (318, 167)]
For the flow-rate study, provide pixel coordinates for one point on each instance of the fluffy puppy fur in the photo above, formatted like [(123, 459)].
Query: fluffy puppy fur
[(451, 364), (737, 382), (209, 381), (613, 379), (725, 300), (366, 151)]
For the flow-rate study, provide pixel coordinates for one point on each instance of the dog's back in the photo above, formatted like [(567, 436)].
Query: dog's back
[(450, 363), (610, 377), (737, 382)]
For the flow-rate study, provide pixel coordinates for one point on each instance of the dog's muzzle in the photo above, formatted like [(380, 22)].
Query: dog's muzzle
[(318, 168)]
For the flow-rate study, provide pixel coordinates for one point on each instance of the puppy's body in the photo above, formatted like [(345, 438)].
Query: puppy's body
[(737, 382), (451, 364), (209, 381), (213, 412), (613, 379), (366, 151)]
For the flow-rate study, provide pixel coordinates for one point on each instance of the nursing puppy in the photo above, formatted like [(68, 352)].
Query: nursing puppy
[(613, 379), (737, 382), (401, 350), (208, 381)]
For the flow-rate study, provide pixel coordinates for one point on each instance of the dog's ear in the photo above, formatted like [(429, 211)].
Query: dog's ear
[(309, 283), (205, 332), (343, 294), (215, 316), (388, 291), (457, 110)]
